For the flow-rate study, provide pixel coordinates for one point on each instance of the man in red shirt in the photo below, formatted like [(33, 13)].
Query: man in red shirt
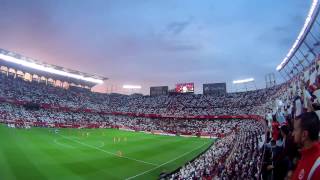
[(275, 128), (306, 134)]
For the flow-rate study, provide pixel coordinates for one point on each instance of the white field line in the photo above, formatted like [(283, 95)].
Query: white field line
[(102, 144), (132, 177), (107, 152), (61, 144)]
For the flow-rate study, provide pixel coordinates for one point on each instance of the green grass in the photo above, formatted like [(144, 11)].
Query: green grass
[(39, 153)]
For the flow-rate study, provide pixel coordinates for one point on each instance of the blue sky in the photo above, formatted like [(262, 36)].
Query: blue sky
[(155, 42)]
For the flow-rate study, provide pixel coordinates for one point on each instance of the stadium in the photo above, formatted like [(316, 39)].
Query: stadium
[(54, 126)]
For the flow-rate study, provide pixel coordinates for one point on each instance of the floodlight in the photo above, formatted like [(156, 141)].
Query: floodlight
[(131, 87), (243, 81)]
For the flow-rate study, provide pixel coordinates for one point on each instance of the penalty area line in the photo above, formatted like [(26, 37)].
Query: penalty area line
[(107, 152), (132, 177)]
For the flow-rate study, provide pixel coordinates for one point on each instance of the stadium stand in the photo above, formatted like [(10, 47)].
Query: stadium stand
[(235, 118), (180, 105)]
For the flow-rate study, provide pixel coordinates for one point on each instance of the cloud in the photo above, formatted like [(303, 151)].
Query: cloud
[(177, 36), (281, 36), (176, 28), (176, 47), (136, 41)]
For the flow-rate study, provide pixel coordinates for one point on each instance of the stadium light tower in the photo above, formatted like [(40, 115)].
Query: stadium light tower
[(270, 80), (245, 82)]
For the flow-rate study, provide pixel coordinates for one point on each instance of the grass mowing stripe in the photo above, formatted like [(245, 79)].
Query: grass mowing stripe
[(102, 150), (38, 145), (5, 170), (21, 161), (132, 177)]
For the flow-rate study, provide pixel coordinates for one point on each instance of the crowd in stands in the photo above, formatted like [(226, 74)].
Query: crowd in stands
[(179, 105), (293, 149), (244, 162), (236, 156), (10, 112)]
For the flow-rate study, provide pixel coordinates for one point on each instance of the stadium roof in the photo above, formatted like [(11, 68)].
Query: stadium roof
[(14, 58), (313, 12)]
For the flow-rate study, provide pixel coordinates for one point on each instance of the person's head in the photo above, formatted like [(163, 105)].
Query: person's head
[(316, 106), (306, 128), (284, 130), (274, 118)]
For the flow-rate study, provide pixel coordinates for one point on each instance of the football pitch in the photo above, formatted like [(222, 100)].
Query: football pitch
[(40, 153)]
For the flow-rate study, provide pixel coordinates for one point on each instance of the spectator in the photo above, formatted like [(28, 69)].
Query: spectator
[(306, 134)]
